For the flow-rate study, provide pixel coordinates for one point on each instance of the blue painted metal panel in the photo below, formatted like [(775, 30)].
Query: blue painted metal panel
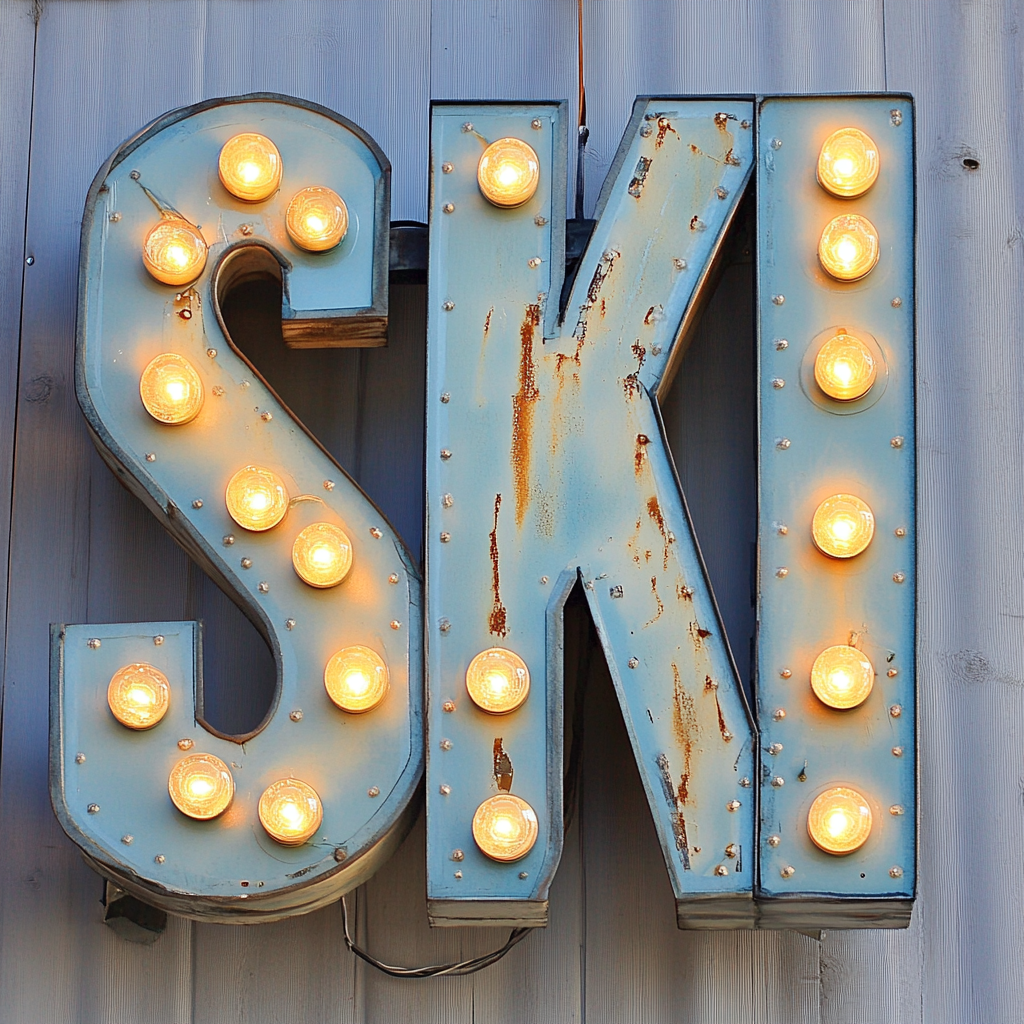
[(364, 767), (811, 447), (546, 464)]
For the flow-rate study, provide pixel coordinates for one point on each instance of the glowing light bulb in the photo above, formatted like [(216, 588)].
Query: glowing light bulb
[(317, 218), (356, 679), (290, 811), (843, 526), (508, 172), (848, 249), (171, 390), (844, 367), (848, 163), (201, 786), (498, 681), (174, 251), (256, 498), (839, 820), (250, 167), (505, 827), (842, 677), (322, 555), (139, 695)]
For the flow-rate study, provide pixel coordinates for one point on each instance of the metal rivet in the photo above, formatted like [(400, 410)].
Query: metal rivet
[(246, 563), (897, 751), (687, 591), (447, 501), (786, 673), (524, 874), (655, 350), (159, 858), (158, 640), (745, 782), (296, 715), (779, 714), (615, 592), (788, 871), (458, 874), (540, 221), (212, 353), (774, 840), (447, 168), (544, 580), (536, 124), (899, 577), (448, 208), (646, 130), (446, 744), (534, 262), (633, 662), (679, 264), (289, 623), (778, 782), (395, 624), (468, 126), (151, 456), (445, 398), (782, 572), (896, 117), (198, 503), (778, 299), (721, 870), (783, 443), (774, 748), (722, 193), (457, 854), (896, 871), (93, 808), (93, 643), (218, 390), (127, 839), (896, 810), (266, 416), (375, 533), (448, 706), (896, 302), (897, 441), (744, 124), (79, 758), (446, 454), (115, 217), (134, 175), (393, 578), (185, 744), (244, 384), (733, 805), (781, 345), (246, 229), (732, 851), (444, 625), (895, 710), (778, 383), (445, 537), (447, 305), (892, 673), (373, 791), (30, 260), (726, 735), (328, 485), (900, 531), (776, 143), (445, 790)]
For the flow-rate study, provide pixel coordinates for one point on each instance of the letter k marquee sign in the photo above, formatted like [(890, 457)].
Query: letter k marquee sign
[(547, 467)]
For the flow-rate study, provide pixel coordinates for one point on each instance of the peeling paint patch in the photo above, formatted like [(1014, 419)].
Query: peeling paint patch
[(683, 592), (604, 268), (664, 127), (698, 635), (523, 402), (722, 120), (678, 821), (502, 767), (498, 622), (643, 166)]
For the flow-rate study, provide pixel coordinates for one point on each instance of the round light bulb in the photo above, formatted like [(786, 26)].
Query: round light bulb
[(842, 677), (508, 172), (171, 390), (498, 681), (201, 786), (139, 695), (317, 218), (322, 555), (843, 526), (839, 820), (844, 367), (848, 163), (848, 249), (505, 827), (174, 251), (356, 679), (250, 167), (256, 498), (290, 811)]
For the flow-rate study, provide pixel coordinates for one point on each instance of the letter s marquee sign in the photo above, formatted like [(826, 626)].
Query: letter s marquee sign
[(547, 466)]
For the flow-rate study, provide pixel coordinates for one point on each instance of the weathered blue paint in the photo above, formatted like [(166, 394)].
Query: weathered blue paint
[(558, 471), (835, 447), (126, 318)]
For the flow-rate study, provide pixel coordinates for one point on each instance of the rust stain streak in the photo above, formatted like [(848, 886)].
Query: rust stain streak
[(523, 402), (631, 382), (632, 542), (604, 268), (642, 441), (498, 623), (664, 127), (503, 771), (654, 511), (672, 799), (684, 724), (657, 597), (710, 686)]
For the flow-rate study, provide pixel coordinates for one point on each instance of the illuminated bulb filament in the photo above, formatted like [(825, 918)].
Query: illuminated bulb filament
[(842, 677), (849, 247), (322, 555), (843, 526), (508, 172), (174, 251), (250, 167), (317, 218), (845, 368), (848, 163), (201, 786), (839, 820), (139, 695), (291, 812), (356, 679), (256, 498), (171, 389), (498, 681), (505, 827)]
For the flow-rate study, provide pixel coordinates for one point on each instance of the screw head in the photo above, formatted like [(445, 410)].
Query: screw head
[(536, 124), (395, 624), (779, 300), (778, 383), (376, 533), (445, 790), (778, 782), (246, 563), (289, 623), (447, 168), (524, 874), (468, 126), (93, 808), (458, 874), (733, 805), (534, 262), (775, 748), (445, 536), (393, 578), (115, 217), (447, 305), (185, 744), (781, 344), (774, 840), (93, 643), (444, 625), (896, 302), (897, 442), (779, 714), (445, 398), (892, 673), (127, 839), (786, 673), (373, 791), (447, 501), (540, 221), (897, 751), (79, 758), (776, 143), (900, 531), (457, 854), (679, 264), (732, 851), (446, 454), (895, 710), (198, 503), (448, 208), (263, 587), (448, 706), (446, 744), (745, 782), (896, 117), (896, 810), (896, 871), (783, 443), (782, 572), (246, 229), (30, 260), (296, 715), (151, 456), (899, 577), (721, 870), (633, 662), (159, 858), (646, 131), (788, 871), (266, 416)]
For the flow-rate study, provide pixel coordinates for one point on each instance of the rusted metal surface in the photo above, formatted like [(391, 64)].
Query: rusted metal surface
[(564, 421)]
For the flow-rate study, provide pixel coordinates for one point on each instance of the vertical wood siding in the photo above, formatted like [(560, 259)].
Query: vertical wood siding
[(77, 76)]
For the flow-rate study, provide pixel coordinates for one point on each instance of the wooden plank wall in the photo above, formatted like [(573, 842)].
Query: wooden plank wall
[(76, 76)]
